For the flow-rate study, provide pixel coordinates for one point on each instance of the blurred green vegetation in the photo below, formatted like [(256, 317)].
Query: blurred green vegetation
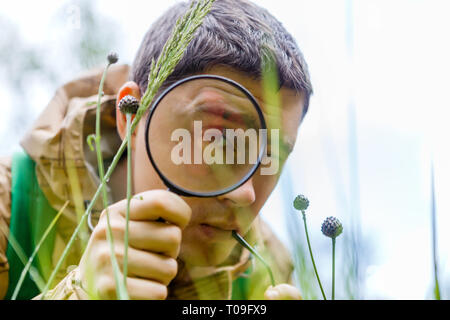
[(27, 69)]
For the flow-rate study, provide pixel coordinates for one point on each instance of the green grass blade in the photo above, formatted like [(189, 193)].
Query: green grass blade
[(436, 291), (36, 250), (35, 275)]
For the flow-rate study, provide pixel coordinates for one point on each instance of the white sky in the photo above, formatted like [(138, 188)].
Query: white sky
[(397, 78)]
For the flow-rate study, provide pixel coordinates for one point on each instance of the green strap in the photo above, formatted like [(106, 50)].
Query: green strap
[(30, 215), (241, 286), (239, 290)]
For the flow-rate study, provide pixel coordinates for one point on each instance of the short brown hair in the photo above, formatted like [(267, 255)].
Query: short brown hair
[(232, 34)]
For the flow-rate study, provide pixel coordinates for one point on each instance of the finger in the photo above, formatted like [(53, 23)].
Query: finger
[(143, 264), (142, 289), (138, 289), (282, 292), (151, 266), (271, 294), (158, 237), (156, 204)]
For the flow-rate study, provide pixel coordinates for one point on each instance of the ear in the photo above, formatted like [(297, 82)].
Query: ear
[(129, 88)]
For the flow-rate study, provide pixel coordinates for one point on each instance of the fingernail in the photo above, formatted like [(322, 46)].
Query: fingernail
[(273, 295)]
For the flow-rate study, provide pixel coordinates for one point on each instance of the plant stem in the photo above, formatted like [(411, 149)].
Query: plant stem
[(36, 250), (333, 241), (311, 254), (101, 187), (437, 293), (245, 244), (121, 289), (129, 173)]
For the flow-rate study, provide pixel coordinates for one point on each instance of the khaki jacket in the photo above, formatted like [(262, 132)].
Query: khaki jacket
[(57, 142)]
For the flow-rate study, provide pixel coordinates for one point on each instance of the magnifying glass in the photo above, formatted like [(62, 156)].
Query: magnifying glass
[(205, 136)]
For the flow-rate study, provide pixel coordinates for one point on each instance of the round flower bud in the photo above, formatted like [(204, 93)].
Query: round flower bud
[(129, 104), (301, 202), (332, 227), (113, 57)]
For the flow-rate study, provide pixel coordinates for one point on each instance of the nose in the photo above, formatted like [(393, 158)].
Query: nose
[(242, 196)]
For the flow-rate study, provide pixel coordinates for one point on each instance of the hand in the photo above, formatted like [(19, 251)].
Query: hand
[(153, 246), (282, 292)]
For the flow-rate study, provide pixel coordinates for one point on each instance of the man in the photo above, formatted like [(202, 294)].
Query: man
[(192, 254)]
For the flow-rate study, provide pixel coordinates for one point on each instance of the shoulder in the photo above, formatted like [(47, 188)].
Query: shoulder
[(5, 187), (5, 213)]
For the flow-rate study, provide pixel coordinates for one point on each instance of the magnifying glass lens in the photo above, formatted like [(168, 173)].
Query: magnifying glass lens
[(204, 136)]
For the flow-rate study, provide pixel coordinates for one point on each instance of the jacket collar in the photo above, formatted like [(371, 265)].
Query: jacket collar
[(57, 140)]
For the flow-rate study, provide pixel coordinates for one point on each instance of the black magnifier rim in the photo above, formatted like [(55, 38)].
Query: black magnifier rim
[(184, 192)]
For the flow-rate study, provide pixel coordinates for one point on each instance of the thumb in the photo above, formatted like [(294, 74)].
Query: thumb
[(282, 292)]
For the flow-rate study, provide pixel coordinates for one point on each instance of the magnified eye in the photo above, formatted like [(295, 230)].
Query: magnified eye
[(216, 125), (232, 150), (227, 142)]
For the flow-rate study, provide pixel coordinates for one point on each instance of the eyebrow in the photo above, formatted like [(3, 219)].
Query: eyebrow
[(286, 146)]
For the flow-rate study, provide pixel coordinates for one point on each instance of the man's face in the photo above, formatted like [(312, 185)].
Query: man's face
[(207, 240)]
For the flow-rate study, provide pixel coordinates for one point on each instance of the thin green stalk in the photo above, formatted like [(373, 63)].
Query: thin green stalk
[(333, 240), (36, 250), (35, 276), (437, 292), (172, 53), (129, 173), (255, 253), (121, 289), (101, 188), (312, 258)]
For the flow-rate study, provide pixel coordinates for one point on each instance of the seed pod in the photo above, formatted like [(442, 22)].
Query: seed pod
[(113, 57), (129, 104), (301, 202), (332, 227)]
